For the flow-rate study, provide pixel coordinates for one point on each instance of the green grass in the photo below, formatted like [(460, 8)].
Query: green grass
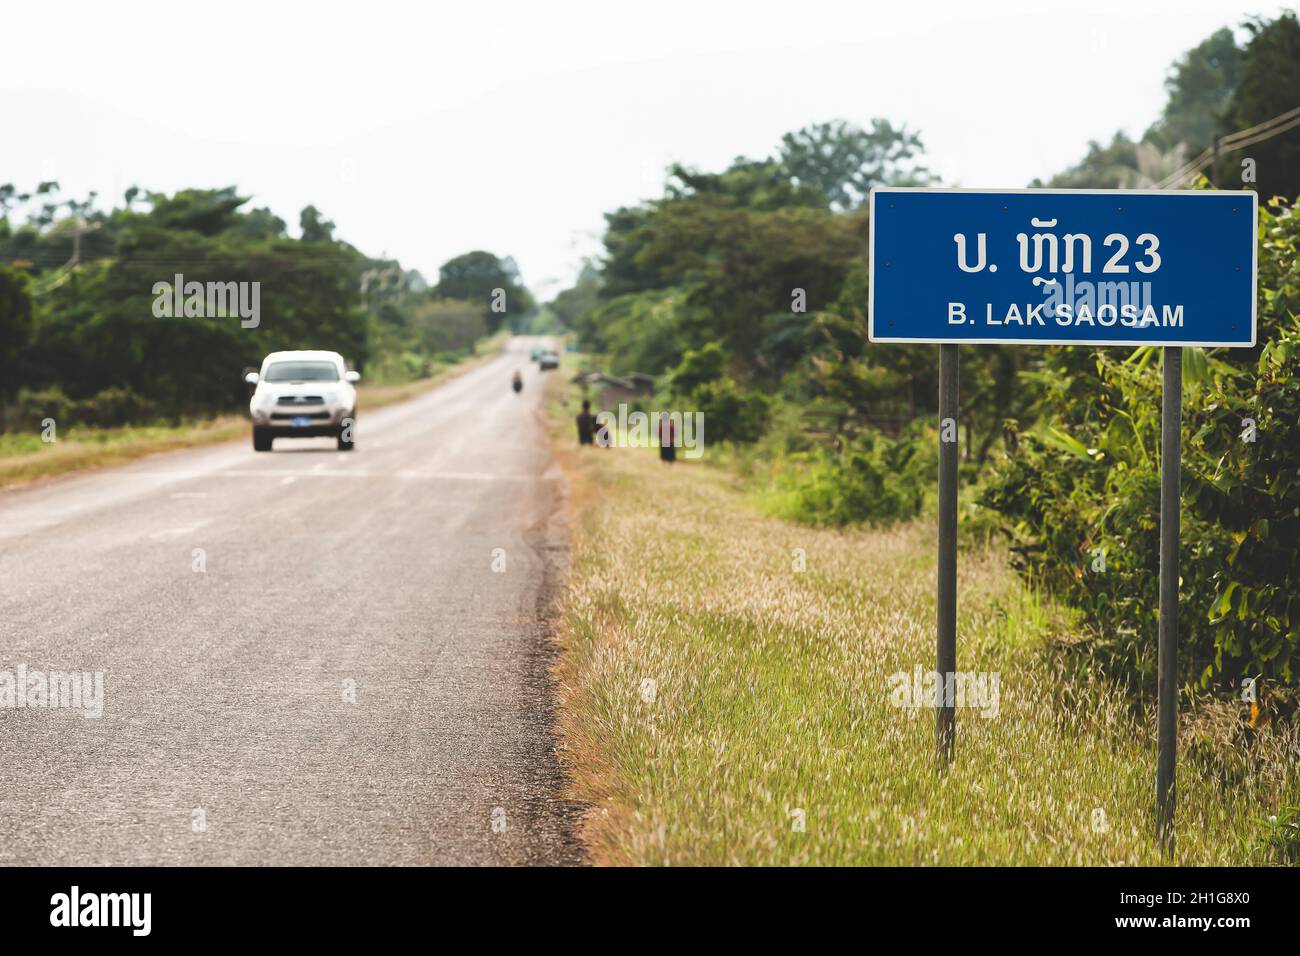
[(771, 698)]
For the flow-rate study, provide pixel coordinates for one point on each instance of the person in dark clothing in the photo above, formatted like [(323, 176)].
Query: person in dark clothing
[(586, 425), (667, 450)]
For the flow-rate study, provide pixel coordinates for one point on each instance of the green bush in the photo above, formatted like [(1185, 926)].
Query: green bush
[(731, 413), (1251, 490), (111, 408), (1083, 485), (697, 367), (33, 406), (874, 480)]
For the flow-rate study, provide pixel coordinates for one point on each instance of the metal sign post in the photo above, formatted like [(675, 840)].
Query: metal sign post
[(1093, 267), (1171, 416), (946, 595)]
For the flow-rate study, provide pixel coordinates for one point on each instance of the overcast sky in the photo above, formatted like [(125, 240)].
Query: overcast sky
[(425, 131)]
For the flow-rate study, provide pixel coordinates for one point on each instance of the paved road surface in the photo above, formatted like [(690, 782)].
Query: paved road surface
[(226, 697)]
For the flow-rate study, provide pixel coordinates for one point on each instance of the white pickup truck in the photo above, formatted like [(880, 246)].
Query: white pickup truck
[(303, 395)]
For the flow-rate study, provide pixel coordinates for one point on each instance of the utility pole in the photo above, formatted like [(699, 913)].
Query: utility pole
[(80, 229)]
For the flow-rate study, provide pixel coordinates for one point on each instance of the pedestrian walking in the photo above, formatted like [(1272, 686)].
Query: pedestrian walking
[(586, 425), (667, 436)]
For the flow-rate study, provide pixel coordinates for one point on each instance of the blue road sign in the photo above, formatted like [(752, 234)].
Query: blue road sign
[(1063, 267)]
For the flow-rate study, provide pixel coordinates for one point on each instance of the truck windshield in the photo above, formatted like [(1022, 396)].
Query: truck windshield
[(302, 372)]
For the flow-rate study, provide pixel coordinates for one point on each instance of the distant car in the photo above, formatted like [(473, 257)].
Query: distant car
[(536, 353), (548, 359), (303, 395)]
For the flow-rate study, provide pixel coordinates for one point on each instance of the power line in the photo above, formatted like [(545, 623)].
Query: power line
[(1194, 166), (1232, 138), (1263, 136), (1234, 141)]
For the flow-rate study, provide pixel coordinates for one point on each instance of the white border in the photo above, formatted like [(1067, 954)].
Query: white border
[(1254, 265)]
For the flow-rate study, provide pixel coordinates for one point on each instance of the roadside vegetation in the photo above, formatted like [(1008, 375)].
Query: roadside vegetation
[(87, 339), (720, 706), (86, 356), (744, 293)]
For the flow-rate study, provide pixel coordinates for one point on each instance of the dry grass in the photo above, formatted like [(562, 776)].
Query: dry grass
[(771, 696), (26, 458)]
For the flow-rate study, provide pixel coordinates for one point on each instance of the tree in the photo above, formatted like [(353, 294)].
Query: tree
[(698, 367), (1200, 86), (16, 327), (1269, 85), (491, 282), (755, 184), (573, 305), (262, 224), (843, 162), (1104, 167), (48, 210), (737, 266), (10, 197), (205, 211), (626, 233), (314, 227), (446, 325)]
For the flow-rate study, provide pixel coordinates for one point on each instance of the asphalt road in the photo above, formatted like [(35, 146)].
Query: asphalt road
[(338, 676)]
